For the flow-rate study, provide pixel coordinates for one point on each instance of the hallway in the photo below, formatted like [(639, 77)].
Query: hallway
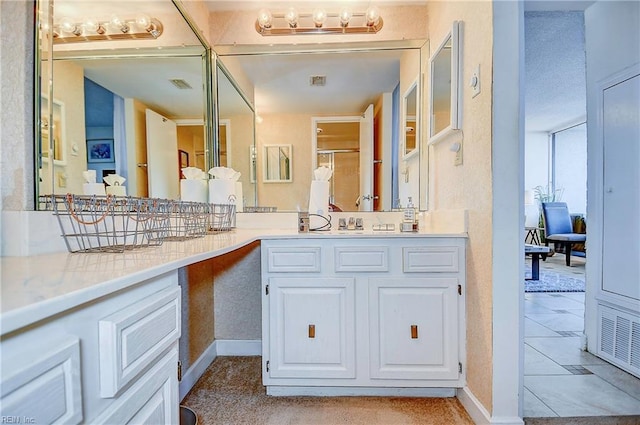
[(560, 379)]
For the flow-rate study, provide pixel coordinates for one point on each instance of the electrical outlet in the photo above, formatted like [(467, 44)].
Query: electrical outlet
[(475, 81)]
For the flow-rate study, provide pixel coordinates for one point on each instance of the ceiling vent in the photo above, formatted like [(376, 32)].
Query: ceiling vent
[(318, 80), (180, 83)]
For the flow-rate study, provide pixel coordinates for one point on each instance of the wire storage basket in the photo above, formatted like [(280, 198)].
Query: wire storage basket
[(104, 223), (221, 217), (183, 219)]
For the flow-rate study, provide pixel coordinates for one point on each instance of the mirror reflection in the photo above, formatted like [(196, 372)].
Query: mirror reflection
[(136, 108), (236, 133), (277, 163), (410, 119), (298, 93), (445, 82)]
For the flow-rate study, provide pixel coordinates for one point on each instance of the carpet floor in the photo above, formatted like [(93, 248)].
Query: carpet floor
[(231, 392)]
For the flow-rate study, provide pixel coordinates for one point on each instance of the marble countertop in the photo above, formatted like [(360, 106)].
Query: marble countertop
[(37, 287)]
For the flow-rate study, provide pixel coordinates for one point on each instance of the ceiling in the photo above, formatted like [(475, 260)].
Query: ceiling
[(353, 80), (555, 83)]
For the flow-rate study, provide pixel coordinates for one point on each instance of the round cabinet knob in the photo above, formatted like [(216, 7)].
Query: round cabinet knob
[(473, 82), (610, 190)]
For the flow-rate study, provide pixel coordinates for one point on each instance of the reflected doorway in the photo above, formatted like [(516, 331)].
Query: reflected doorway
[(338, 148)]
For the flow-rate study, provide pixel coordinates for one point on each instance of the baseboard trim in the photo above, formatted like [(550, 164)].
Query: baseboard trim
[(197, 369), (278, 390), (474, 408), (239, 347)]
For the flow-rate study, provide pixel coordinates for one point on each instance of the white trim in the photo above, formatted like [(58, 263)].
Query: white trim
[(507, 165), (197, 369), (239, 347), (189, 121), (472, 405), (479, 414), (277, 390)]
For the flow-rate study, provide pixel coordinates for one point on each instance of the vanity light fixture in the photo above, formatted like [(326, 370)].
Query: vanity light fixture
[(142, 26), (319, 21)]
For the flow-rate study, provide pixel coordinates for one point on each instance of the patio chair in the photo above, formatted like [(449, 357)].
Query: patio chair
[(558, 227)]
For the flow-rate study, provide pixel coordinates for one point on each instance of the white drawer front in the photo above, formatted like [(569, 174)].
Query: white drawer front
[(294, 259), (47, 390), (153, 399), (362, 259), (131, 338), (430, 259)]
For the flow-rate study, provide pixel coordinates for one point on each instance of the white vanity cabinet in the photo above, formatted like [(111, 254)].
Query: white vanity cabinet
[(112, 359), (362, 312)]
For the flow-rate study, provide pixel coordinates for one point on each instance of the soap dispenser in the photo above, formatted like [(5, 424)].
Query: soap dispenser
[(409, 222)]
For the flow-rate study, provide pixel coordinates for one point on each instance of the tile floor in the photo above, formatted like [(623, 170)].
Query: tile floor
[(560, 379)]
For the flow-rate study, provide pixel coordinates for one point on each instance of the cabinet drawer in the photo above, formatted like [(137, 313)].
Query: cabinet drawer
[(430, 259), (293, 259), (44, 385), (153, 399), (131, 338), (361, 258)]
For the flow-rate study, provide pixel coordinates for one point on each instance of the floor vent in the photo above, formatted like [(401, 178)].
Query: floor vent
[(578, 370), (619, 338)]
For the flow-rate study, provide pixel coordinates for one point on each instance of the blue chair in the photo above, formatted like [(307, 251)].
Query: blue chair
[(558, 227)]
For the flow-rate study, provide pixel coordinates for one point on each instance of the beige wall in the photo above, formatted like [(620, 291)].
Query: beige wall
[(469, 186), (69, 91), (279, 129), (241, 140)]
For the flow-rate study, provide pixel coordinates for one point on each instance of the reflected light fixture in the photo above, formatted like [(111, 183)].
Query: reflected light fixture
[(68, 30), (319, 21)]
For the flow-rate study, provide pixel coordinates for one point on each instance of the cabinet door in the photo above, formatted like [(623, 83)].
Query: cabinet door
[(413, 328), (311, 328)]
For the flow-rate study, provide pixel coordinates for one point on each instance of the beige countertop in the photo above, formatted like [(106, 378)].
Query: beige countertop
[(39, 286)]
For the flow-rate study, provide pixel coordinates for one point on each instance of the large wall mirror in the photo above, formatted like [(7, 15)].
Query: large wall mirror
[(299, 91), (445, 104), (135, 107)]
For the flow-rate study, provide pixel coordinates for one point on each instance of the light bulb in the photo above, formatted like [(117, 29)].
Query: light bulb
[(345, 16), (291, 17), (119, 24), (372, 16), (143, 21), (319, 16), (265, 18), (93, 25), (69, 26)]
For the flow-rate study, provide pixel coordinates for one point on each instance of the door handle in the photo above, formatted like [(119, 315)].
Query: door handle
[(142, 165)]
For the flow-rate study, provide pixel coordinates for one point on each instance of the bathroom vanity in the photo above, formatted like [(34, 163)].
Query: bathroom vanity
[(350, 314), (94, 337)]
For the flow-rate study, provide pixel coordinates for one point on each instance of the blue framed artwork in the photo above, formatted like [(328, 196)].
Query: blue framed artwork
[(100, 150)]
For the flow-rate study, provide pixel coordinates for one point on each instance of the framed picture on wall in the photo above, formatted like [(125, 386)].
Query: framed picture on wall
[(184, 158), (54, 129), (100, 150)]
